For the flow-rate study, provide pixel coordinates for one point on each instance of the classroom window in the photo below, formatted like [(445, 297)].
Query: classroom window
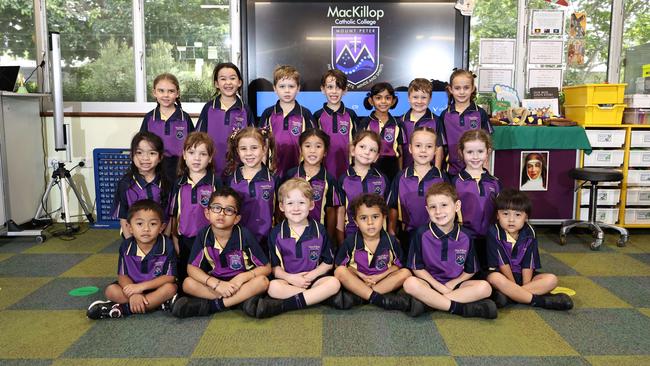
[(96, 48), (17, 46), (187, 39), (491, 19), (636, 42)]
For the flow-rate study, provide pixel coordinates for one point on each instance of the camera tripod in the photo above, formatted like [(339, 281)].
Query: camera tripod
[(61, 178)]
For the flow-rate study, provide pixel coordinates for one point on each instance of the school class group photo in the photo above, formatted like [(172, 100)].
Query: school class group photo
[(299, 208)]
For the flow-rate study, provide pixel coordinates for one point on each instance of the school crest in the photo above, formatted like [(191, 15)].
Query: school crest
[(266, 194), (313, 254), (389, 134), (157, 268), (473, 123), (205, 197), (460, 257), (235, 261), (318, 189), (355, 51), (377, 188), (180, 132), (239, 121), (295, 128), (381, 262), (343, 129)]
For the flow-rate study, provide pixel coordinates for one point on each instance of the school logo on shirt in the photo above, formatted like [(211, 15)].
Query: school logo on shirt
[(313, 254), (377, 188), (235, 261), (343, 129), (295, 128), (180, 132), (473, 122), (239, 121), (460, 257), (355, 51), (157, 268), (381, 262), (389, 134), (205, 197), (318, 189)]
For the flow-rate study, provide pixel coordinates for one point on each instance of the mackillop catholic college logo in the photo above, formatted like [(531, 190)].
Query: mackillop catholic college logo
[(355, 51)]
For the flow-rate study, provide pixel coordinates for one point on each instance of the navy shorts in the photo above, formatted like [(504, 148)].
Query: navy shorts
[(455, 287), (519, 280)]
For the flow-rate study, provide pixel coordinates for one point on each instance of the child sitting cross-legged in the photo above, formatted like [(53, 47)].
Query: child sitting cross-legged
[(227, 266)]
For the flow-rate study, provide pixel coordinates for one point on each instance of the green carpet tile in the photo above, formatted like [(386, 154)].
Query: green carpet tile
[(41, 324)]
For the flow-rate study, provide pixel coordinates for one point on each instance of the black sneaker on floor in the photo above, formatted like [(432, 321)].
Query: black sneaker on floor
[(104, 309), (485, 308), (399, 301), (557, 302), (268, 307), (499, 298), (169, 304), (190, 306), (350, 299), (336, 300), (417, 308), (249, 306)]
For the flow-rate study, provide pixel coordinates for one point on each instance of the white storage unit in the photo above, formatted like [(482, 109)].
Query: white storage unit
[(639, 158), (638, 197), (604, 158), (637, 216), (605, 197), (606, 138), (640, 139), (638, 177), (606, 215)]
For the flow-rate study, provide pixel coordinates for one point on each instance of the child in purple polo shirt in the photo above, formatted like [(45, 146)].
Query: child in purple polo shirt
[(442, 258), (476, 188), (513, 257), (419, 115), (225, 113), (361, 177), (314, 146), (253, 180), (191, 195), (286, 119), (461, 115), (146, 267), (169, 121), (337, 121), (301, 255), (369, 263), (406, 199), (227, 267), (382, 98), (144, 180)]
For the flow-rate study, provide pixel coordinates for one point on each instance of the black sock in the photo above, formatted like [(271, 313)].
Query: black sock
[(537, 301), (457, 308), (217, 306), (294, 302), (376, 298), (126, 309)]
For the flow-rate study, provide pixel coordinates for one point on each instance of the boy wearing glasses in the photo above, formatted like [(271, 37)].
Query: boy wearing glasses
[(227, 267)]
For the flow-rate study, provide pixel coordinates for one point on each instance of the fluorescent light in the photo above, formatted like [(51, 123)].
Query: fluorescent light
[(211, 6)]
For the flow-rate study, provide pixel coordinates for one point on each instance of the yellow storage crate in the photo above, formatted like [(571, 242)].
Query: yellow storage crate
[(589, 94), (595, 114)]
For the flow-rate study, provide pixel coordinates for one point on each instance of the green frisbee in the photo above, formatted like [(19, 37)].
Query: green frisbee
[(83, 291)]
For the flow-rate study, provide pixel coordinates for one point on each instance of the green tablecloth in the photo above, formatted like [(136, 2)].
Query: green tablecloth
[(540, 137)]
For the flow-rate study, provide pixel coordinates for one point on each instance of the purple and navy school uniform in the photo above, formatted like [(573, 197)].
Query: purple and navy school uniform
[(427, 120), (354, 253), (477, 201), (312, 248), (286, 131), (189, 199), (219, 123), (444, 256), (258, 201), (523, 254), (133, 188), (160, 261), (392, 135), (242, 253), (340, 126), (454, 125), (325, 190), (408, 195), (352, 186), (172, 132)]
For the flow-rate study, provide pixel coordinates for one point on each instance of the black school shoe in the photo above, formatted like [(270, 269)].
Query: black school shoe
[(336, 301), (186, 307), (249, 306), (557, 302), (398, 301), (417, 308), (268, 307), (485, 308), (499, 298), (350, 299), (104, 309), (168, 305)]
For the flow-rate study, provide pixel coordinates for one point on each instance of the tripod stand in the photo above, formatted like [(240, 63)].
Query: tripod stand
[(61, 178)]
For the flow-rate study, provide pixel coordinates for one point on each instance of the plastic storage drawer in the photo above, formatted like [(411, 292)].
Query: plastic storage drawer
[(606, 138), (638, 177), (594, 94), (606, 215), (640, 139), (637, 216), (638, 197), (639, 158), (636, 116), (605, 197), (609, 158), (590, 115)]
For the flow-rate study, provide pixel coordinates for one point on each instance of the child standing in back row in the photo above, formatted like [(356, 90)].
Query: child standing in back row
[(461, 115), (168, 121), (337, 121), (225, 113), (286, 119)]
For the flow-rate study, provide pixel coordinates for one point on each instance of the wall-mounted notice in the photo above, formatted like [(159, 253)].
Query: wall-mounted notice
[(500, 51), (487, 78), (547, 23), (544, 78), (545, 51)]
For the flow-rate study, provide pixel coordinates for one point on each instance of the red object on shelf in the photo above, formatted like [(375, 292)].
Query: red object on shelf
[(558, 2)]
